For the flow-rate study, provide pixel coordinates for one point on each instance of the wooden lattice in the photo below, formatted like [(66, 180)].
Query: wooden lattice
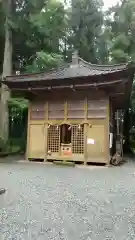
[(77, 140), (53, 139)]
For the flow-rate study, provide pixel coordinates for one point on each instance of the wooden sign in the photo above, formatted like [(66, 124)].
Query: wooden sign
[(90, 141)]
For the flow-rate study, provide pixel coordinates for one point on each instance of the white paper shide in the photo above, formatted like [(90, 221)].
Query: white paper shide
[(90, 141)]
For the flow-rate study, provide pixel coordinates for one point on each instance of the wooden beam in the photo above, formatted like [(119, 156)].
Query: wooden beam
[(85, 85)]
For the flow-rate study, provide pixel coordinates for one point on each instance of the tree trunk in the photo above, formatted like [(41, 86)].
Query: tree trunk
[(7, 70)]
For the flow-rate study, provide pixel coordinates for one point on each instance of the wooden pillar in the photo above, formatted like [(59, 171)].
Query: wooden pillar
[(28, 135), (46, 130), (107, 129), (85, 131), (85, 143)]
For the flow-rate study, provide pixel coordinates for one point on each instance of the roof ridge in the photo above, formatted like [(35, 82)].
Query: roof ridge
[(103, 65), (65, 65)]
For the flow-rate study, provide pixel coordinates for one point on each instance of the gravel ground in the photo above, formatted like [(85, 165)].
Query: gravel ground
[(52, 202)]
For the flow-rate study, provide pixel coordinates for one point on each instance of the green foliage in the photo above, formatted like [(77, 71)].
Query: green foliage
[(44, 61), (86, 22), (119, 55), (18, 103), (47, 28), (41, 31), (18, 113), (3, 145), (121, 22)]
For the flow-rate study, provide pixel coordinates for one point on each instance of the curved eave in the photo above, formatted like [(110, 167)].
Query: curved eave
[(94, 79), (91, 69)]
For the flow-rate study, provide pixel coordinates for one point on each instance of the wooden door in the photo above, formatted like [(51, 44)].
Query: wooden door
[(77, 139), (96, 143), (36, 147), (53, 144)]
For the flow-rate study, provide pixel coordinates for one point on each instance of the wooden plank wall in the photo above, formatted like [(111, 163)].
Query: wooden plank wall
[(72, 110), (68, 110)]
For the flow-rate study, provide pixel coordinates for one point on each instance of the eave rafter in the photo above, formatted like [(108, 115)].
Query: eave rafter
[(73, 87)]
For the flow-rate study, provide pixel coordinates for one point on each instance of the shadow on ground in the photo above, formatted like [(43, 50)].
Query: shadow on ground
[(12, 159)]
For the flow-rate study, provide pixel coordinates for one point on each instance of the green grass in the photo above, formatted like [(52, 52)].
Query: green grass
[(64, 163)]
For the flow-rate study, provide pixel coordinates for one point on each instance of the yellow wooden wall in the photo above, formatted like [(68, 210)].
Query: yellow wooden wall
[(97, 128)]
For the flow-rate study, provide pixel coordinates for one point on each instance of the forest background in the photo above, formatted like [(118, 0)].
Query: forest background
[(37, 35)]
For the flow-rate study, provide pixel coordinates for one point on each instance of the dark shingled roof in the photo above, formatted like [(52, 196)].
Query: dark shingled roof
[(77, 75), (76, 69)]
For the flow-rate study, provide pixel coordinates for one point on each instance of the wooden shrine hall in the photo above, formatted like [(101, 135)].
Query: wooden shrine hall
[(75, 111)]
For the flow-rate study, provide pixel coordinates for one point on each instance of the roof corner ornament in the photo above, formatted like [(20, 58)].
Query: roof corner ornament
[(75, 58)]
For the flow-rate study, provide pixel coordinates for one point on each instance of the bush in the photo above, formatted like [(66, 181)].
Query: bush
[(3, 145)]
